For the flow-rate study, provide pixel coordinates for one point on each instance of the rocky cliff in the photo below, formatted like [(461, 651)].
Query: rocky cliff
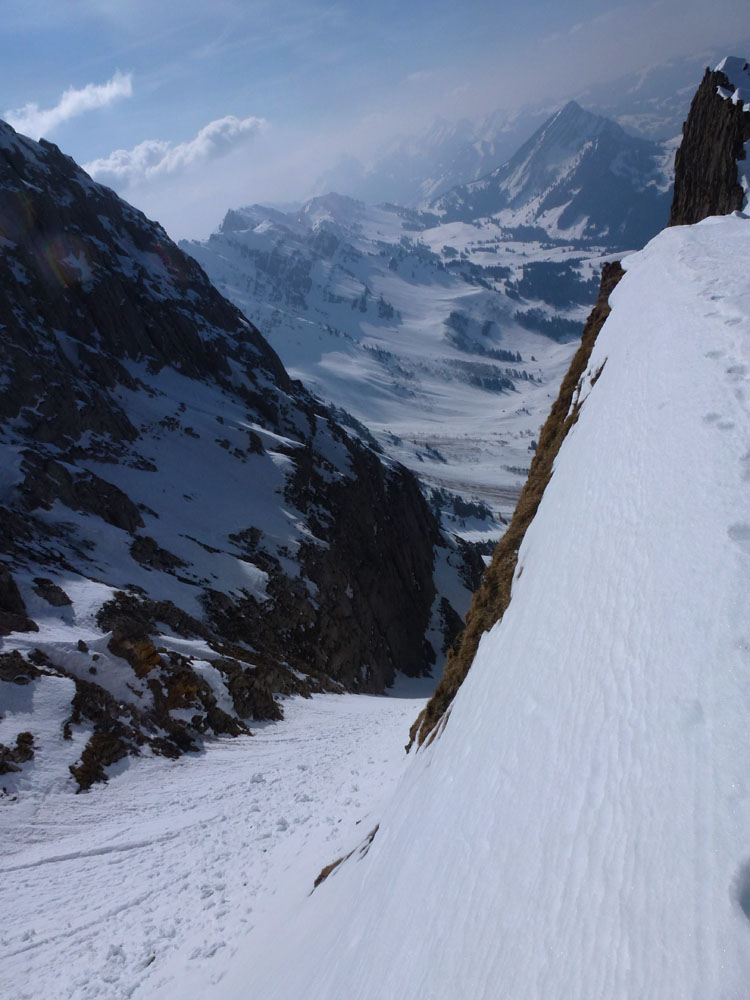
[(713, 143), (184, 530)]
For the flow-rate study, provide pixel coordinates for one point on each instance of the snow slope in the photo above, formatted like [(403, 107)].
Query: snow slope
[(132, 890), (581, 828)]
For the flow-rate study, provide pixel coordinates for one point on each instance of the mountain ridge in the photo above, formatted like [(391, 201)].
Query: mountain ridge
[(186, 531), (555, 182)]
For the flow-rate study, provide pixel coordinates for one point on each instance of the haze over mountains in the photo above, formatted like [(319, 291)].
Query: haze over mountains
[(444, 330), (418, 168), (192, 539)]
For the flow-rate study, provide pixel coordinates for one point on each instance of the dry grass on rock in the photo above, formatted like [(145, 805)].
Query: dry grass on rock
[(493, 596)]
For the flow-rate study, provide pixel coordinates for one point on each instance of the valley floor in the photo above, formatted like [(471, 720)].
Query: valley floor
[(136, 888)]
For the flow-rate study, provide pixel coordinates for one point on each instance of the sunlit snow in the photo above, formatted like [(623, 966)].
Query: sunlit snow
[(581, 828)]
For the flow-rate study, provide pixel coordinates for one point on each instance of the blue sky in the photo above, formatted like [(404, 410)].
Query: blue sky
[(221, 103)]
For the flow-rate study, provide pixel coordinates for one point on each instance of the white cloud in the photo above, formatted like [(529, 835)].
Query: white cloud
[(420, 76), (156, 158), (35, 121)]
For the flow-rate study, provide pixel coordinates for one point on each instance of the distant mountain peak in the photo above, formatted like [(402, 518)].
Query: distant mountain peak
[(580, 174)]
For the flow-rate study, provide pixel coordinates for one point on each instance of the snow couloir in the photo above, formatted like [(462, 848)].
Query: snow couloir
[(581, 826)]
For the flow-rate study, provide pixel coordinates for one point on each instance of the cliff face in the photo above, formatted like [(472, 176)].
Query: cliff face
[(184, 530), (713, 137)]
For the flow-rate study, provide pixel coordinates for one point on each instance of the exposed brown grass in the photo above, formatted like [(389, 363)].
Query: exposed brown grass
[(325, 872), (361, 851), (493, 596)]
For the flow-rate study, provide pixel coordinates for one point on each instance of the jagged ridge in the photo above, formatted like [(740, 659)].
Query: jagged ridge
[(185, 530), (706, 177)]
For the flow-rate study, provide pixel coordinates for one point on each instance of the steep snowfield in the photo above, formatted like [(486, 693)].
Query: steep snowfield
[(581, 828)]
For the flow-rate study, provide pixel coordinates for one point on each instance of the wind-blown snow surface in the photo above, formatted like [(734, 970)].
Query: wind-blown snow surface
[(581, 829)]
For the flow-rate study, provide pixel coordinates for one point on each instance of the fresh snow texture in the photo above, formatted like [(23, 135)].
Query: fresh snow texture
[(149, 885), (581, 828)]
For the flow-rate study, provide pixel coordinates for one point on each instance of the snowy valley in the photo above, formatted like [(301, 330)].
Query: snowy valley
[(237, 512), (447, 330)]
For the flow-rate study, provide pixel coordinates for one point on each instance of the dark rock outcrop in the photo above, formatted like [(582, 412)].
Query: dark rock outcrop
[(14, 669), (13, 617), (47, 481), (12, 757), (148, 552), (713, 139), (50, 592)]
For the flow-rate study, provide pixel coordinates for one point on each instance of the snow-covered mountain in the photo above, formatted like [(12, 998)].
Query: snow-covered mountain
[(444, 340), (579, 176), (577, 827), (412, 170), (577, 824), (185, 529)]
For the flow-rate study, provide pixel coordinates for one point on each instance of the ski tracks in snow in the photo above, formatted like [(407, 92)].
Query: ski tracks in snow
[(131, 889)]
